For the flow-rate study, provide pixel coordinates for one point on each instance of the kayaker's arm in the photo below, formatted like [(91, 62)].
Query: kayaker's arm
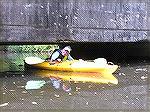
[(53, 62)]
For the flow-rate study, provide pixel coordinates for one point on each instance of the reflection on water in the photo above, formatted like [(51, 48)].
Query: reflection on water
[(32, 90), (34, 84), (78, 76), (56, 83), (64, 80)]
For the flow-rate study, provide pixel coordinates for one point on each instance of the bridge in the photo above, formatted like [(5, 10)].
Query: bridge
[(104, 22)]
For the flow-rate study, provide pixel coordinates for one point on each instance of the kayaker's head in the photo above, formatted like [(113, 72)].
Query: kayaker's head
[(66, 51)]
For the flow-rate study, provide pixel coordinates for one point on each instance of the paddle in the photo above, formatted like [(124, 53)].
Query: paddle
[(36, 60)]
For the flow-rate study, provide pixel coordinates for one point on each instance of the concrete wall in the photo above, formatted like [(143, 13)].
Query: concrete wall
[(148, 5), (74, 20)]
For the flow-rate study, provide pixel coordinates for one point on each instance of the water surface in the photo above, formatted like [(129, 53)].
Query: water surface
[(26, 90)]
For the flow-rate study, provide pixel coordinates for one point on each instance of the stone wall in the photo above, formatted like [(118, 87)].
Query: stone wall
[(74, 20)]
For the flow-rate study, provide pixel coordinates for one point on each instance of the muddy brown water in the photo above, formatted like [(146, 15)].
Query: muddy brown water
[(24, 91)]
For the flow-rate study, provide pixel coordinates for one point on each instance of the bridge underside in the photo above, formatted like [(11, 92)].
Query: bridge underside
[(94, 28)]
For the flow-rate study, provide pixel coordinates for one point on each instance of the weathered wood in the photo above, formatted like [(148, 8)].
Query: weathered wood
[(77, 20)]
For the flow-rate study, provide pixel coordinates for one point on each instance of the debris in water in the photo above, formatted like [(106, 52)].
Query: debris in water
[(4, 104), (24, 91), (66, 17), (20, 86), (87, 103), (42, 92), (141, 69), (89, 86), (144, 77), (77, 88), (75, 17), (122, 74), (69, 94), (11, 90), (56, 95), (95, 93), (124, 102), (34, 103)]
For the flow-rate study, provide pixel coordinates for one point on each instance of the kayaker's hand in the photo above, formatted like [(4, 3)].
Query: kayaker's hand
[(59, 60), (52, 62)]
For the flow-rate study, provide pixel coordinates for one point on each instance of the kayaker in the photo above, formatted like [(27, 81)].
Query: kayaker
[(61, 55)]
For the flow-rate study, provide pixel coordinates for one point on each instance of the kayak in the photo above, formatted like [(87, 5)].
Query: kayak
[(98, 65), (78, 76)]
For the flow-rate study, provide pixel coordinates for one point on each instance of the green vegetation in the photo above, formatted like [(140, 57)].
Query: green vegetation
[(12, 56), (31, 48)]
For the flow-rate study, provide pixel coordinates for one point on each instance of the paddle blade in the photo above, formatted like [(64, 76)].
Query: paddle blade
[(33, 60)]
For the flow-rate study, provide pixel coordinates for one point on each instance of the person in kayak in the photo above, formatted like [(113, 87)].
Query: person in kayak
[(61, 55)]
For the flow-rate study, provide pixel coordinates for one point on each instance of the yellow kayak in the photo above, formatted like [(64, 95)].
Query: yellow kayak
[(98, 65)]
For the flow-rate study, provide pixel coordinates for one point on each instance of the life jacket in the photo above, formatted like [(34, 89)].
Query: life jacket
[(63, 58)]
